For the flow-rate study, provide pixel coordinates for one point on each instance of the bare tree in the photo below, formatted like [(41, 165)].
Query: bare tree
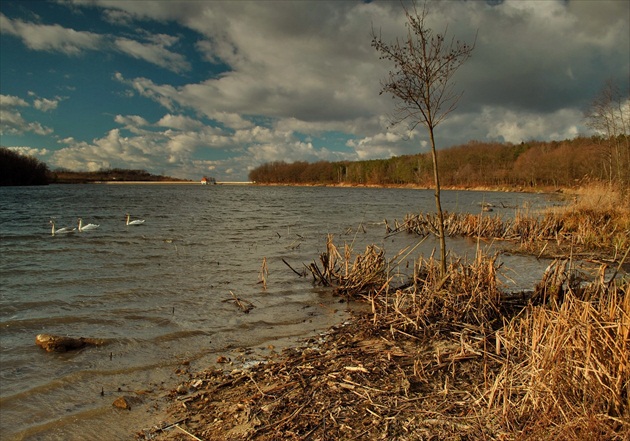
[(421, 80), (608, 115)]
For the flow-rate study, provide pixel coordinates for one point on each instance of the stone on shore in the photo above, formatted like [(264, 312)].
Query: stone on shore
[(125, 402)]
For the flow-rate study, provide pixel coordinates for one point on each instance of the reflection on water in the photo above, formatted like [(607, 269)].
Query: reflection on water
[(158, 291)]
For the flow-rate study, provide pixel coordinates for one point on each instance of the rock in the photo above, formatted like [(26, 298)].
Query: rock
[(182, 389), (126, 401), (58, 343)]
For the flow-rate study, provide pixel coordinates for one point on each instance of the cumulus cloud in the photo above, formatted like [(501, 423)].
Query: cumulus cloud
[(170, 142), (153, 53), (180, 122), (507, 125), (56, 38), (13, 123), (387, 144), (287, 73), (284, 62), (30, 151), (514, 65), (50, 37), (8, 101), (45, 104)]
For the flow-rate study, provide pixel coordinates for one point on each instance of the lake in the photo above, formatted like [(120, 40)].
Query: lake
[(160, 292)]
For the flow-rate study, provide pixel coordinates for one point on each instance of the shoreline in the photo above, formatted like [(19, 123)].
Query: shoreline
[(167, 183), (366, 378), (534, 190), (419, 366)]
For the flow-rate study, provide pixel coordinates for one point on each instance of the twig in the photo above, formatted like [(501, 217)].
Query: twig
[(623, 259), (187, 432), (244, 305), (168, 426), (292, 269)]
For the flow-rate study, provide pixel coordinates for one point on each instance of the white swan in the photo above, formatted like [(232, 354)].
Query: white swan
[(64, 230), (86, 227), (134, 222)]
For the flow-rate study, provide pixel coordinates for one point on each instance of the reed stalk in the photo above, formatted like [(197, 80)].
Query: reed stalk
[(558, 367)]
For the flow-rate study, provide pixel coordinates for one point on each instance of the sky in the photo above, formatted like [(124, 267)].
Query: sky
[(216, 88)]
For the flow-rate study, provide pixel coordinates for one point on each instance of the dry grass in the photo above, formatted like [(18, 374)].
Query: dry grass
[(440, 359), (558, 369), (566, 366), (450, 358), (596, 222)]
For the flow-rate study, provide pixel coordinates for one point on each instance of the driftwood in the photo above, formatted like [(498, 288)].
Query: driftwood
[(58, 343)]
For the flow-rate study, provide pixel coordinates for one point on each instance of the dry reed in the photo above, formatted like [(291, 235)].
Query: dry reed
[(577, 230), (566, 365), (437, 358), (558, 369)]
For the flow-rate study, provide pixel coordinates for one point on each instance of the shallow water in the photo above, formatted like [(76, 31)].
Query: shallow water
[(159, 292)]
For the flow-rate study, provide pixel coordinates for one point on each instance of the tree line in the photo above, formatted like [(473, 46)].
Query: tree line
[(475, 164), (63, 176), (18, 169)]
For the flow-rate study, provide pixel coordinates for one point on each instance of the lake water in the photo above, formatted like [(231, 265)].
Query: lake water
[(159, 292)]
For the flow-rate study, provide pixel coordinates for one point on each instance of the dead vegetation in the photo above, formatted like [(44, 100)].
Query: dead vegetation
[(436, 358), (595, 223)]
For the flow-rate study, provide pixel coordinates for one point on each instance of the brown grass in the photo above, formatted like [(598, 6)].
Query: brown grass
[(451, 358), (558, 369), (595, 224)]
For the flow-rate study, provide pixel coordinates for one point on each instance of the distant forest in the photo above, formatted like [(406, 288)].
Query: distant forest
[(475, 164), (109, 175), (18, 169)]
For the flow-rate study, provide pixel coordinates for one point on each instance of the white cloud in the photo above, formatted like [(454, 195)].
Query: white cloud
[(309, 68), (297, 71), (515, 127), (30, 151), (50, 37), (395, 142), (179, 122), (8, 101), (153, 53), (45, 105), (56, 38), (164, 95), (131, 120), (289, 62), (13, 123)]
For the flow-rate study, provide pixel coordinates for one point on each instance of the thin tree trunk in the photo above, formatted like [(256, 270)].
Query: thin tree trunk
[(438, 205)]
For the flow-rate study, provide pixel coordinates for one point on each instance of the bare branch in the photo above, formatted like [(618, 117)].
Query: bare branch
[(422, 82)]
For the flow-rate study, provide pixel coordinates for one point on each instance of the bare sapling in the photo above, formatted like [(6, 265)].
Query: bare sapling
[(424, 63)]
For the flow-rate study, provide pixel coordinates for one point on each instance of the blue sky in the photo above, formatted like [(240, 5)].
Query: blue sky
[(218, 87)]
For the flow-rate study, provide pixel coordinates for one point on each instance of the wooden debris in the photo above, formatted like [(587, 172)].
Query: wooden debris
[(243, 305)]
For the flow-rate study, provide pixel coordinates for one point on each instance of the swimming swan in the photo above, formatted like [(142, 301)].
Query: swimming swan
[(86, 227), (64, 230), (134, 222)]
